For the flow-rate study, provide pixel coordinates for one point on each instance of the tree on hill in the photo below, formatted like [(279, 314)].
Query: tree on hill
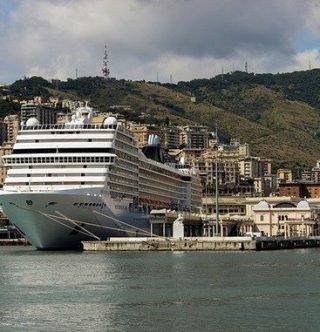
[(30, 87), (8, 107), (84, 86)]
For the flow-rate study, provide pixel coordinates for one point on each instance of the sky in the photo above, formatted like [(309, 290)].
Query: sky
[(150, 39)]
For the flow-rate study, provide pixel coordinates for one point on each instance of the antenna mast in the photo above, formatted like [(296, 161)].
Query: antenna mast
[(105, 66)]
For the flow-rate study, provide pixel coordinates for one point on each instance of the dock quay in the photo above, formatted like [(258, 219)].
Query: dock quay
[(14, 242), (9, 236), (287, 243), (201, 244), (170, 244)]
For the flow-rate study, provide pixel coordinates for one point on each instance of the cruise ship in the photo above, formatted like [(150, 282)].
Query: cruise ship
[(80, 180)]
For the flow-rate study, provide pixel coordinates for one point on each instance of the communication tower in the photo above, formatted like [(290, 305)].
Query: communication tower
[(105, 66)]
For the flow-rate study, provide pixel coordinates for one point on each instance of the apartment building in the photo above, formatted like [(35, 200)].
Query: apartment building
[(227, 167), (46, 114), (172, 137), (13, 125), (284, 175), (300, 189), (195, 137), (250, 167), (140, 131), (3, 132)]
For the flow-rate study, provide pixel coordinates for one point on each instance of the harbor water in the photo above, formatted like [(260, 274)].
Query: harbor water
[(159, 291)]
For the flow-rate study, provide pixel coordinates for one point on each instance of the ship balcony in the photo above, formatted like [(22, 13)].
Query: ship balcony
[(56, 179), (147, 174), (161, 186), (155, 192), (123, 183)]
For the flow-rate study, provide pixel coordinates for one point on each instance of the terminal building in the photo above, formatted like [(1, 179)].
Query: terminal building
[(265, 216)]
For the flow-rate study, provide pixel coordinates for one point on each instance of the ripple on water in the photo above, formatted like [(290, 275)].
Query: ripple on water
[(50, 291)]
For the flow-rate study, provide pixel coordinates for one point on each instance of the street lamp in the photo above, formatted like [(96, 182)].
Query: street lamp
[(217, 198)]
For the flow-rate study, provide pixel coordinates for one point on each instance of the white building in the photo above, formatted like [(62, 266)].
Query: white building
[(286, 218)]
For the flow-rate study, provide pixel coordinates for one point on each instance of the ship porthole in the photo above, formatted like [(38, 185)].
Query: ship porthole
[(29, 202)]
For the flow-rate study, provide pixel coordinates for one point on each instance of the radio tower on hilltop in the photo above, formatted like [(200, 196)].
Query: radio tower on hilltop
[(105, 66)]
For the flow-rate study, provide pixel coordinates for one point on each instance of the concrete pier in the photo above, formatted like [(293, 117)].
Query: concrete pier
[(287, 243), (162, 244), (13, 242), (201, 243)]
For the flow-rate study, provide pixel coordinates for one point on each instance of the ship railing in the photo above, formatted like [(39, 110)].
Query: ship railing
[(69, 126)]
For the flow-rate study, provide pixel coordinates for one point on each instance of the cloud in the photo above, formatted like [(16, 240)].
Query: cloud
[(184, 38), (305, 60)]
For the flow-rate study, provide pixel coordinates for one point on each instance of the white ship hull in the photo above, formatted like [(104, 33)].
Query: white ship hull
[(51, 221)]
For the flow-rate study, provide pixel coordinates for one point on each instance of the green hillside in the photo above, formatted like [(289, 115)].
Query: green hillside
[(278, 115)]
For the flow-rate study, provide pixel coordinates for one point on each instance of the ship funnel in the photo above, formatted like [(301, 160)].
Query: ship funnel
[(153, 140), (152, 149)]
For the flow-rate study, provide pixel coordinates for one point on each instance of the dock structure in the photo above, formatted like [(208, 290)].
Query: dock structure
[(171, 244), (9, 235), (201, 244), (14, 242), (277, 243)]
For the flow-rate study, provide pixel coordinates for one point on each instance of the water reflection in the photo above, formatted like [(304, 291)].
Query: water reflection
[(162, 291)]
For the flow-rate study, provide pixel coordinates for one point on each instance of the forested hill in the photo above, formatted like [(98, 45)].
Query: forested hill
[(278, 115)]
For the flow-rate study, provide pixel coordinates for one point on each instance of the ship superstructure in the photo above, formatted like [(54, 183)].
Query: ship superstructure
[(76, 181)]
